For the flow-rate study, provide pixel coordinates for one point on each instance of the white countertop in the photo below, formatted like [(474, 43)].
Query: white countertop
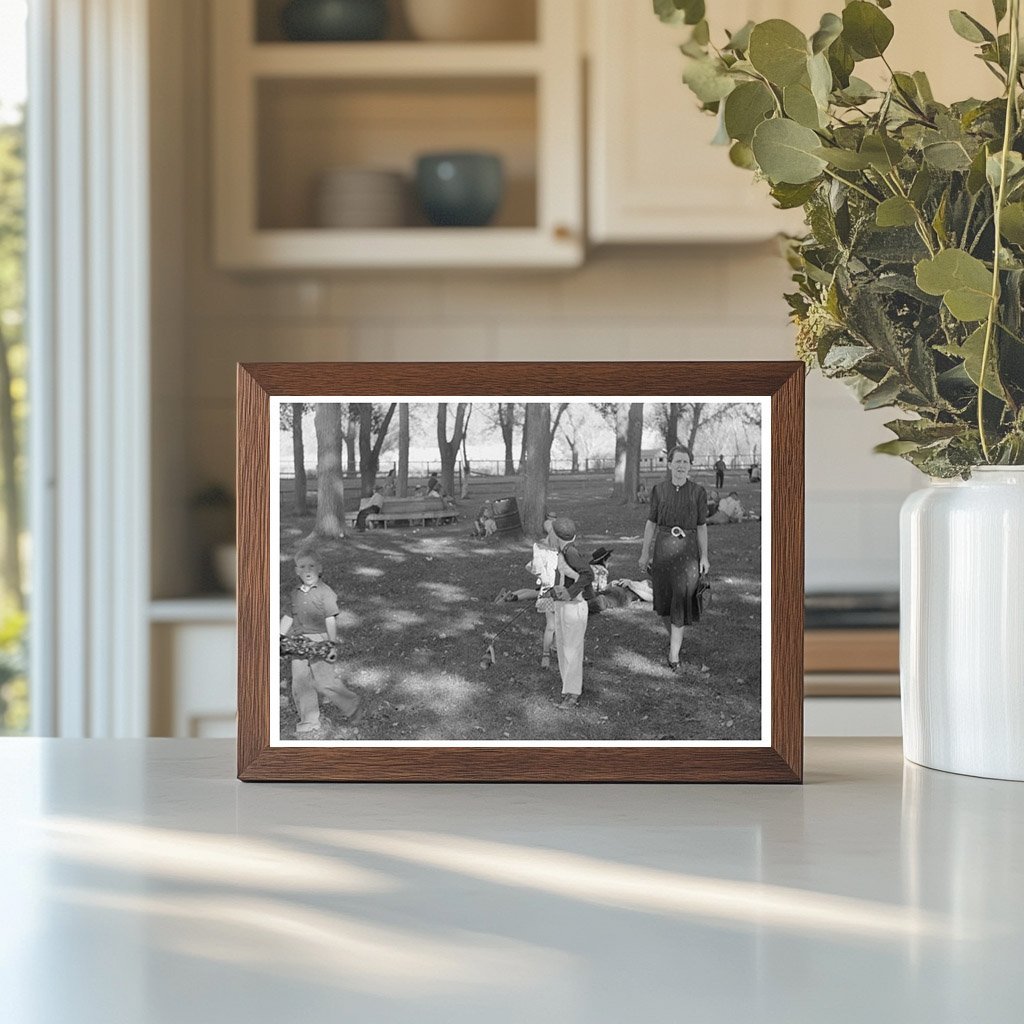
[(143, 885)]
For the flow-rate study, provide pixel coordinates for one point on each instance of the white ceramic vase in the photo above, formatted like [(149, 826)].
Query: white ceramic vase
[(962, 624)]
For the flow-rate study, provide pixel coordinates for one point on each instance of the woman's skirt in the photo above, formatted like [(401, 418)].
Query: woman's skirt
[(674, 577)]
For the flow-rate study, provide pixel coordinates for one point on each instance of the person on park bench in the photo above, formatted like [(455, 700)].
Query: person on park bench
[(373, 504)]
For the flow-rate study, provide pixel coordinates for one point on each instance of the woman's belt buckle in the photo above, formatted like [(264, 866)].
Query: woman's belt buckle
[(677, 531)]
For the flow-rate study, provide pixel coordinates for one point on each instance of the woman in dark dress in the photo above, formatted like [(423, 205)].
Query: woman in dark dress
[(677, 535)]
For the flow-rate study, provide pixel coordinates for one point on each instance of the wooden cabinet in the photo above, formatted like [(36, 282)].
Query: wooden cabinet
[(286, 113), (653, 175)]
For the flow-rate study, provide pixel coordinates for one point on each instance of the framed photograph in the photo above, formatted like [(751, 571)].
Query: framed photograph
[(520, 572)]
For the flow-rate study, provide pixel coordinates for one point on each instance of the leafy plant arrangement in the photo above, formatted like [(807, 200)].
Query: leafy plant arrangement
[(909, 280)]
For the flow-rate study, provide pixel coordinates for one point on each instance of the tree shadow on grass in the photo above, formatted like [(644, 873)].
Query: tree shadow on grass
[(418, 615)]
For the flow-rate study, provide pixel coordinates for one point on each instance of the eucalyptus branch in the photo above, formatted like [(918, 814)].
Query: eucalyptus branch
[(1000, 198), (853, 185)]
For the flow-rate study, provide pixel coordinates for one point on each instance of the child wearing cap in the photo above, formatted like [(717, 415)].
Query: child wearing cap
[(312, 611), (572, 576), (544, 566)]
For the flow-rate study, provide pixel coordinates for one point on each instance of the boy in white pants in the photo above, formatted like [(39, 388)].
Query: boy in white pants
[(572, 577)]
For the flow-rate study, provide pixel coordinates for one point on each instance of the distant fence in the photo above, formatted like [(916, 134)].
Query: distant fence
[(496, 467), (484, 486)]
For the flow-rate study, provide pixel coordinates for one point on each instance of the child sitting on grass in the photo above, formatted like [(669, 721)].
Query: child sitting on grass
[(311, 611)]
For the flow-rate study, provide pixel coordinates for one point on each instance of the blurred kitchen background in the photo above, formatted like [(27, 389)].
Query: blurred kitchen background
[(289, 219)]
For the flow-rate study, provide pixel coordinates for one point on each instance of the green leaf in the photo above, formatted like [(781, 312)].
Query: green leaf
[(968, 28), (844, 159), (745, 108), (999, 7), (971, 352), (885, 394), (921, 185), (923, 431), (1012, 223), (963, 281), (742, 155), (701, 33), (820, 76), (866, 29), (841, 60), (857, 91), (785, 152), (707, 80), (739, 41), (994, 167), (883, 153), (896, 212), (789, 197), (676, 12), (895, 447), (946, 156), (800, 105), (778, 50), (924, 88), (829, 30), (939, 220), (976, 174)]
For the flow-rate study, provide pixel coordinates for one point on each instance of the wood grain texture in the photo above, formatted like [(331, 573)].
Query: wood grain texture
[(781, 762)]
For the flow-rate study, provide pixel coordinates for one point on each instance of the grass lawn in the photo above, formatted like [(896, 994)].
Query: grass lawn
[(418, 608)]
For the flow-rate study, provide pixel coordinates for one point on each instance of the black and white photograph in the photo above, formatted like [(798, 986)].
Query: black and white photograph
[(519, 572)]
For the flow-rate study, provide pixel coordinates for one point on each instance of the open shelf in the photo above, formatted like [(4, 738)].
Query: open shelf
[(393, 60), (520, 17), (287, 113), (308, 127)]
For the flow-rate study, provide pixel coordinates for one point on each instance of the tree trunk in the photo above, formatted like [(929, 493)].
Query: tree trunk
[(537, 432), (634, 439), (449, 450), (522, 447), (575, 451), (507, 422), (621, 427), (672, 426), (351, 433), (695, 425), (403, 450), (370, 448), (558, 416), (299, 453), (330, 480), (11, 490)]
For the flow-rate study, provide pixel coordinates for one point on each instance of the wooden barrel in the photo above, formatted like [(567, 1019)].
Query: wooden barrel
[(506, 515)]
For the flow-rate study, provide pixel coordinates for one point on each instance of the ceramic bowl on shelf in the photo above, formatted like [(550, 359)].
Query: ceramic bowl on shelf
[(361, 198), (332, 21), (470, 20), (460, 189)]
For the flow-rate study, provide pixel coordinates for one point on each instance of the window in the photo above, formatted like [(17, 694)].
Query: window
[(14, 704)]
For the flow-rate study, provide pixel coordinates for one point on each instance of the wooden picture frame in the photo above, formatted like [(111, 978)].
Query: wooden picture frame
[(778, 757)]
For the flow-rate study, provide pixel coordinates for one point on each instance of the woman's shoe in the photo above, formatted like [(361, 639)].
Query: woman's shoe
[(673, 665), (570, 702), (545, 661)]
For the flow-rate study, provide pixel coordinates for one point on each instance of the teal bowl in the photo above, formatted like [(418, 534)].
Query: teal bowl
[(334, 21), (460, 190)]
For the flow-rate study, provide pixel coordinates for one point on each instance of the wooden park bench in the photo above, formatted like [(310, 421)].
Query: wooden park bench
[(408, 511)]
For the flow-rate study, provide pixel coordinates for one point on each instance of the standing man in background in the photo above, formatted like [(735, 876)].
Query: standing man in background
[(720, 473)]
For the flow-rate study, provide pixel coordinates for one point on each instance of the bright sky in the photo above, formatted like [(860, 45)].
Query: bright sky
[(12, 55)]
